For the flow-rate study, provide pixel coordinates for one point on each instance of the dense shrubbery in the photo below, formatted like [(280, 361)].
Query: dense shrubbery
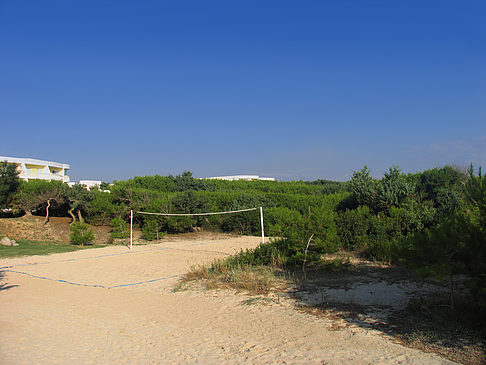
[(433, 220), (9, 183)]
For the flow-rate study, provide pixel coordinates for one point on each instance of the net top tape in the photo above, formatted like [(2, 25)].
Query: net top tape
[(192, 214)]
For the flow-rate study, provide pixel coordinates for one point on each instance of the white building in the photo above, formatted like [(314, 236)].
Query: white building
[(88, 184), (30, 168), (241, 177)]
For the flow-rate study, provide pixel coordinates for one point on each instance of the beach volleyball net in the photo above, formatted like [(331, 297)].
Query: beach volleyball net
[(132, 212)]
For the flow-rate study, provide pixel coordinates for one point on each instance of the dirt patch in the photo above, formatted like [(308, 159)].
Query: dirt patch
[(30, 227)]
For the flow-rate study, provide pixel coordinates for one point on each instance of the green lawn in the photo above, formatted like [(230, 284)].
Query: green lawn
[(30, 248)]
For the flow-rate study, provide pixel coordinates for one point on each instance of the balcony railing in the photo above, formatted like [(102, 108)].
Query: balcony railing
[(44, 176)]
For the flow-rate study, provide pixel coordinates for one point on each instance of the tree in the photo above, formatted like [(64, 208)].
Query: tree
[(476, 264), (186, 181), (155, 226), (363, 187), (9, 183), (476, 193), (392, 190), (120, 228), (37, 195), (102, 208), (79, 201), (444, 187), (441, 251)]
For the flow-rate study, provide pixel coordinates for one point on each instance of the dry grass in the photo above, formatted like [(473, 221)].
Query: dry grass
[(222, 274)]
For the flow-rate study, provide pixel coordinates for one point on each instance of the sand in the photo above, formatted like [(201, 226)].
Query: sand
[(82, 308)]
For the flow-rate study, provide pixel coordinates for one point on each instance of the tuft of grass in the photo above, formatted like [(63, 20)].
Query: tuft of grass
[(31, 248), (337, 263), (231, 274)]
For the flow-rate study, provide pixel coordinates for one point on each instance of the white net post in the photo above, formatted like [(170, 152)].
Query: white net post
[(261, 221), (131, 229)]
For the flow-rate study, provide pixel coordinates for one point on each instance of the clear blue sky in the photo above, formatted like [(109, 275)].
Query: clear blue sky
[(287, 89)]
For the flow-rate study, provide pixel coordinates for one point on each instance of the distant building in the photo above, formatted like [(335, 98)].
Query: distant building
[(241, 177), (88, 184), (30, 168)]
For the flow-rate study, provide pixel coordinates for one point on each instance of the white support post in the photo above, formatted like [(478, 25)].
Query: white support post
[(261, 221), (131, 229)]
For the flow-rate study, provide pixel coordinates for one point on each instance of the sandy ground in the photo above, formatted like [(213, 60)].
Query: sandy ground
[(91, 307)]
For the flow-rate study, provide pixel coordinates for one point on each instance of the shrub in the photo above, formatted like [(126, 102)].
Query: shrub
[(81, 233), (153, 228), (120, 228), (354, 227)]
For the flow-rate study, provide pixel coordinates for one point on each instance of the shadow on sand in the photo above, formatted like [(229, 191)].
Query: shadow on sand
[(5, 286), (394, 302)]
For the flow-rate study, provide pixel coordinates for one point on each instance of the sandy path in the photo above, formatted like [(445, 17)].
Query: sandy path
[(47, 322)]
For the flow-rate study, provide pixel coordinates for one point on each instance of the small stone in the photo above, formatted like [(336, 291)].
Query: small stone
[(6, 241)]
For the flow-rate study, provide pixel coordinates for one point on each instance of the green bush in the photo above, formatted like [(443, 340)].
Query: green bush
[(153, 228), (81, 233), (354, 228), (120, 228)]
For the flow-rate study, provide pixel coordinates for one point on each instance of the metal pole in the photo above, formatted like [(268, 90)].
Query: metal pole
[(261, 221), (131, 229)]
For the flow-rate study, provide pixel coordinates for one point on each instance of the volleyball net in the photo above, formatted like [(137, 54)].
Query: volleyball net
[(195, 214)]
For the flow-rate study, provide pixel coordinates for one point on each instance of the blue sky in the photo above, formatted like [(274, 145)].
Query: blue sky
[(286, 89)]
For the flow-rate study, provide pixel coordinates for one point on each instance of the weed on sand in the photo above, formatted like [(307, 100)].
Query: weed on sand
[(222, 274)]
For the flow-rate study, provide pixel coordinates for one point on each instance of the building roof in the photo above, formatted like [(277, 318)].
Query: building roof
[(34, 161), (241, 177)]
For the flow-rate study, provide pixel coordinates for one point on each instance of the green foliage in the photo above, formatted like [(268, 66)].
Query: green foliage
[(185, 182), (81, 233), (153, 229), (392, 190), (381, 195), (330, 187), (154, 226), (247, 222), (9, 183), (476, 254), (79, 199), (120, 228), (354, 227), (42, 196), (104, 186), (363, 187), (444, 187), (102, 208), (476, 193)]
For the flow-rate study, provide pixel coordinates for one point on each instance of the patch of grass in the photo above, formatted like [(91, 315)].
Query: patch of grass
[(180, 286), (230, 274), (31, 248), (338, 263)]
